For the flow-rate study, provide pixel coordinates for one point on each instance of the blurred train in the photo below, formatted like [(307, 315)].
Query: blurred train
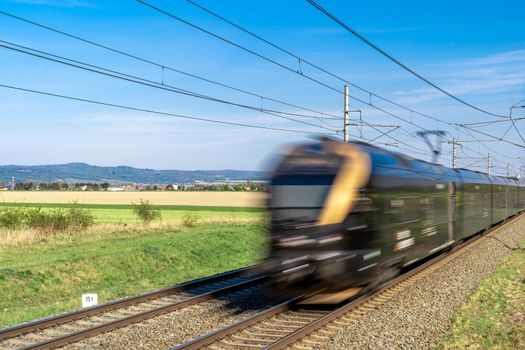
[(354, 215)]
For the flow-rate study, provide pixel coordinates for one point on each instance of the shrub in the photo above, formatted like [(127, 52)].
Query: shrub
[(145, 211), (11, 218), (189, 220), (79, 219), (59, 220), (38, 219)]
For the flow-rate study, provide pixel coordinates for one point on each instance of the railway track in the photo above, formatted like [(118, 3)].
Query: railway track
[(289, 325), (71, 327)]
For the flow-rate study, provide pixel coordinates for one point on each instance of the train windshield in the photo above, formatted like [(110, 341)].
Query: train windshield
[(300, 187)]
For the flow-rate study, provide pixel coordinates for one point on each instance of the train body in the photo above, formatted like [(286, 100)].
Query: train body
[(353, 215)]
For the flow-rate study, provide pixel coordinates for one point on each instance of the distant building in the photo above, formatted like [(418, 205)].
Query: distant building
[(116, 189)]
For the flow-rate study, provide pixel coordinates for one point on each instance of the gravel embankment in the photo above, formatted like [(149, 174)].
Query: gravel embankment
[(420, 314), (182, 325)]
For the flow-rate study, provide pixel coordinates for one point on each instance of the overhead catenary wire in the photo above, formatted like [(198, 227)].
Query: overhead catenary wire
[(145, 110), (514, 124), (163, 85), (322, 115), (506, 132), (476, 162), (130, 78), (166, 87), (482, 144), (492, 136), (391, 58), (490, 122), (170, 68), (300, 72), (305, 61), (466, 127), (141, 81), (386, 134), (360, 100), (520, 101), (238, 46)]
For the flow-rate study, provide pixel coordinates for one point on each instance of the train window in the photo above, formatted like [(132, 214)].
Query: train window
[(310, 164), (301, 185), (299, 197), (292, 190)]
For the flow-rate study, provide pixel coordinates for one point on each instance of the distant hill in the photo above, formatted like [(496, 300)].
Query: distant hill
[(81, 172)]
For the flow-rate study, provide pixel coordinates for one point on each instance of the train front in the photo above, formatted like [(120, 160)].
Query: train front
[(313, 191)]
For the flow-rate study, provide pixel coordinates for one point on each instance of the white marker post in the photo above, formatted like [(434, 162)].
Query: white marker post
[(89, 300)]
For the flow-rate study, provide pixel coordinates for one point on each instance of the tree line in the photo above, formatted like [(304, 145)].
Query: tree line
[(105, 186)]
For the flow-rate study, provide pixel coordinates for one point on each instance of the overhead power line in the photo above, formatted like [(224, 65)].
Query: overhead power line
[(238, 46), (301, 73), (490, 122), (369, 103), (520, 101), (514, 122), (137, 109), (492, 151), (141, 81), (492, 136), (167, 67), (320, 118), (391, 58), (302, 60)]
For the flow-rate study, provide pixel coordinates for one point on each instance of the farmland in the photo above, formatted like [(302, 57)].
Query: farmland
[(119, 255), (199, 198)]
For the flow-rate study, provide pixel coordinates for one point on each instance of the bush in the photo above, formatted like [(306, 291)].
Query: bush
[(145, 211), (11, 218), (189, 220), (38, 219), (56, 220), (59, 220), (80, 219)]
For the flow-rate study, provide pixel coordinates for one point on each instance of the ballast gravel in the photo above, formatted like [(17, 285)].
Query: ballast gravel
[(169, 330), (416, 317)]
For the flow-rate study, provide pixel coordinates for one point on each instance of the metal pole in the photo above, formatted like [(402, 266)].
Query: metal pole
[(488, 164), (454, 153), (508, 169), (345, 129)]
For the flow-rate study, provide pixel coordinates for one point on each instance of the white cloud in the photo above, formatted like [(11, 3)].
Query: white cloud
[(492, 74)]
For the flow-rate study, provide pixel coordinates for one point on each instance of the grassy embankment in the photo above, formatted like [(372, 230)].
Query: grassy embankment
[(494, 316), (46, 274)]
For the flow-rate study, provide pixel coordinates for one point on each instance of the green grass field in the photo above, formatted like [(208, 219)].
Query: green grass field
[(123, 213), (120, 257), (222, 209), (494, 316)]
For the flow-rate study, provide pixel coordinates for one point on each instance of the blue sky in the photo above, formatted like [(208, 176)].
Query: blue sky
[(475, 50)]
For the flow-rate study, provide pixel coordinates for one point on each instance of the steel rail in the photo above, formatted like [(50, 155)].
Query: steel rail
[(223, 332), (296, 335), (139, 317), (48, 322)]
